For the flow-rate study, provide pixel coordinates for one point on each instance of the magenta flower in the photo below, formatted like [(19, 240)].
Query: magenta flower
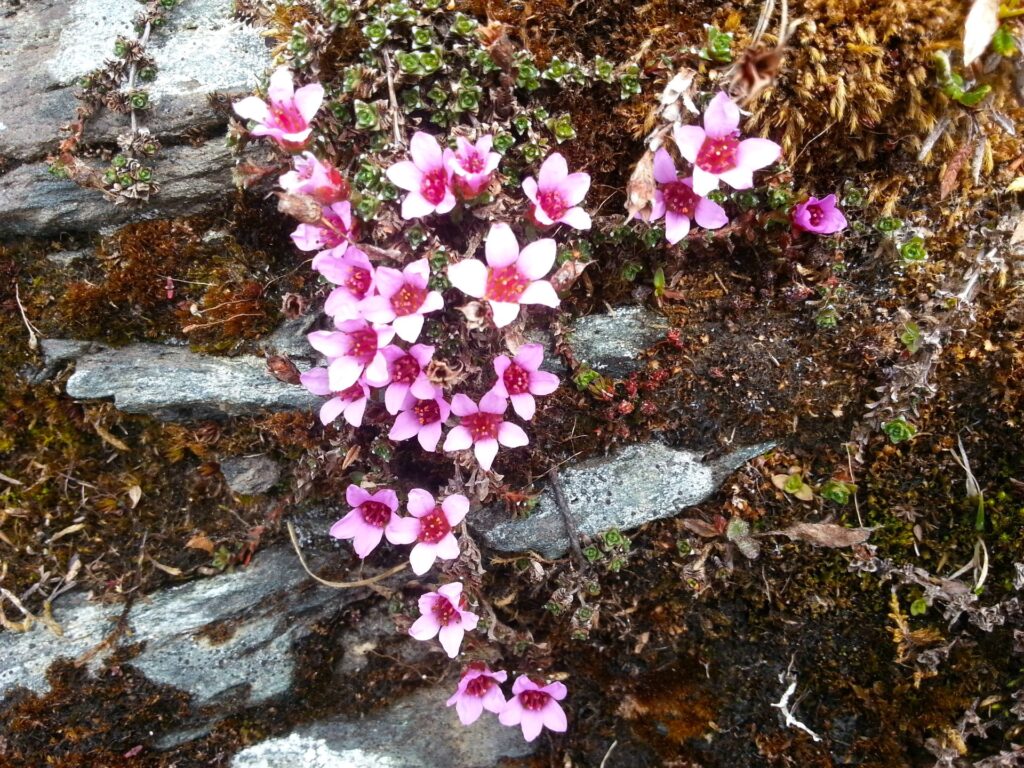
[(473, 166), (479, 689), (444, 615), (353, 275), (336, 228), (426, 177), (349, 402), (421, 418), (822, 217), (717, 152), (313, 177), (535, 707), (407, 372), (511, 277), (679, 203), (430, 527), (287, 116), (403, 299), (483, 427), (556, 194), (366, 524), (519, 379), (353, 349)]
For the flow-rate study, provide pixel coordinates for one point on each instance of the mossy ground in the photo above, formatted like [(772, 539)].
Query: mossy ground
[(685, 654)]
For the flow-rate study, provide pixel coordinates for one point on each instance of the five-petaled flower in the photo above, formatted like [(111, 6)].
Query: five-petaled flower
[(519, 379), (336, 228), (349, 402), (556, 194), (352, 351), (483, 427), (444, 615), (717, 152), (311, 176), (822, 217), (403, 299), (479, 689), (367, 522), (407, 372), (427, 178), (678, 202), (351, 271), (430, 527), (287, 116), (511, 277), (535, 707), (473, 166), (421, 418)]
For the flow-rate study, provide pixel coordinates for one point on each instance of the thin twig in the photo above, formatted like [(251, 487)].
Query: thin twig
[(396, 114), (570, 522), (608, 754), (33, 339), (339, 584)]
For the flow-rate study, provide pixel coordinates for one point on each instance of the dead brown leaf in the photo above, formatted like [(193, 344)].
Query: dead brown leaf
[(949, 176), (827, 534), (200, 541)]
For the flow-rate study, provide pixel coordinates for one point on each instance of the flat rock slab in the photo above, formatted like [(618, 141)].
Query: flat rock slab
[(417, 732), (250, 475), (639, 484), (611, 343), (176, 384)]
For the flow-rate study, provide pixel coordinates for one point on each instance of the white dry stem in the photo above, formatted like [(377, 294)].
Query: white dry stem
[(783, 706), (933, 136)]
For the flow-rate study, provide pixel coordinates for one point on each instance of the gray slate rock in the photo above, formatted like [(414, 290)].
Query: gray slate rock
[(249, 475), (611, 343), (639, 484), (176, 384), (417, 732)]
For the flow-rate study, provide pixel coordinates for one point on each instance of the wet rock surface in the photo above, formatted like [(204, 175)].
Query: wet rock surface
[(639, 484), (250, 475)]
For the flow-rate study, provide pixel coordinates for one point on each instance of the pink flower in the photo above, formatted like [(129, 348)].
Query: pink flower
[(407, 373), (535, 707), (426, 177), (473, 166), (403, 299), (353, 349), (349, 402), (556, 194), (315, 178), (479, 689), (679, 203), (519, 379), (511, 277), (483, 427), (367, 522), (430, 527), (336, 228), (822, 217), (421, 418), (443, 615), (287, 116), (352, 272), (717, 152)]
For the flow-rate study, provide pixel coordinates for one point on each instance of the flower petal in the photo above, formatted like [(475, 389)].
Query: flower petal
[(420, 503), (757, 153), (710, 214), (504, 313), (422, 558), (252, 108), (425, 627), (512, 713), (416, 206), (463, 406), (331, 410), (689, 139), (552, 171), (426, 153), (394, 398), (308, 99), (722, 117), (355, 495), (405, 427), (524, 405), (539, 292), (703, 181), (342, 373), (469, 276), (528, 357), (447, 548), (512, 435), (664, 167), (576, 218), (469, 708), (366, 540), (677, 226), (492, 402), (455, 507), (408, 327), (346, 527), (737, 178), (554, 717), (402, 530), (315, 380), (429, 436), (405, 175), (494, 699), (451, 639), (501, 247), (536, 259), (532, 724), (543, 383), (354, 412), (574, 187), (281, 88), (458, 440), (485, 451), (529, 184)]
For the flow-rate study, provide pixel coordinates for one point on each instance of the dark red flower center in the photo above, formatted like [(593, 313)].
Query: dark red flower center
[(405, 369), (434, 526), (358, 282), (362, 345), (427, 411), (552, 203), (482, 426), (679, 198), (474, 163), (815, 215), (534, 700), (516, 380), (355, 392), (334, 231), (445, 612), (478, 686), (718, 155), (408, 299), (287, 117), (434, 185), (374, 513), (505, 284)]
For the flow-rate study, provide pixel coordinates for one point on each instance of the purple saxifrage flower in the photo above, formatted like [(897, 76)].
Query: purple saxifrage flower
[(479, 689), (349, 402), (311, 176), (366, 524), (822, 217), (511, 277), (426, 177), (483, 427), (444, 615), (717, 152), (336, 228), (354, 350), (678, 202), (519, 379), (430, 527), (535, 707), (287, 114), (473, 166), (403, 299), (407, 373), (351, 271), (556, 194), (421, 418)]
